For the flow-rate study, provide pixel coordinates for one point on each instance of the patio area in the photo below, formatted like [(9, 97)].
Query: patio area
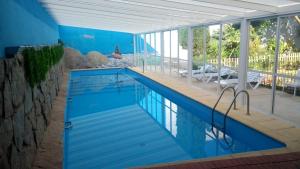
[(287, 105)]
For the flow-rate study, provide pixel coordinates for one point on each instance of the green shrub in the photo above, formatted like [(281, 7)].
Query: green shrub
[(39, 61)]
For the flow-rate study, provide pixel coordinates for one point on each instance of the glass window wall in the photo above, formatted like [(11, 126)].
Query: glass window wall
[(287, 98), (262, 46), (183, 49), (174, 52), (158, 51), (167, 51)]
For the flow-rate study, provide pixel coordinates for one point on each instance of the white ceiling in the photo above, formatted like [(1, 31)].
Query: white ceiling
[(136, 16)]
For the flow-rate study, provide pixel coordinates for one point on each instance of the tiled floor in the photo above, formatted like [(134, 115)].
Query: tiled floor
[(287, 106)]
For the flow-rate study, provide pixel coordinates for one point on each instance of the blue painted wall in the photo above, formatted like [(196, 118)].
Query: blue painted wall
[(86, 40), (25, 22)]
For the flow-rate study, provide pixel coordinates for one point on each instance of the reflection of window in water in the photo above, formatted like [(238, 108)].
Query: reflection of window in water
[(190, 132), (175, 120), (86, 36)]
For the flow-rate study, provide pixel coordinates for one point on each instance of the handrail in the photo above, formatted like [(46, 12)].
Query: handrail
[(233, 101), (117, 74), (223, 91), (224, 137), (226, 114), (143, 63)]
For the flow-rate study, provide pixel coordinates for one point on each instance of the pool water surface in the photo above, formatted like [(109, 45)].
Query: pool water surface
[(117, 118)]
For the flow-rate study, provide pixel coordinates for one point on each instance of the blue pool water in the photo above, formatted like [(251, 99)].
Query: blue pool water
[(117, 118)]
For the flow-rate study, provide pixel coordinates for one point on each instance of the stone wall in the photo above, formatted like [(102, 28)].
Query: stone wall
[(24, 111)]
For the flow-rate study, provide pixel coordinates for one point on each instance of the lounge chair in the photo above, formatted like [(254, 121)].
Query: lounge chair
[(209, 76), (252, 77), (294, 85), (208, 68), (184, 73)]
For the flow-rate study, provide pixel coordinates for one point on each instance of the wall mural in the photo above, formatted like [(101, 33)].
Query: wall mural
[(105, 42), (85, 47)]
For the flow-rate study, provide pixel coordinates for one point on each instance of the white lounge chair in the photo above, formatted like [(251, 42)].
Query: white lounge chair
[(294, 85), (209, 76), (202, 69), (252, 77), (184, 73)]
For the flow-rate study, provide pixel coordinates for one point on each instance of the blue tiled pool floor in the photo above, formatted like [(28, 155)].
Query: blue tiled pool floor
[(119, 138)]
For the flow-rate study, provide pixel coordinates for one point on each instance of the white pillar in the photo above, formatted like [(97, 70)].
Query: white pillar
[(178, 61), (244, 48), (145, 52), (141, 43), (162, 51), (219, 56), (170, 60), (134, 49), (243, 61), (155, 51), (204, 47), (149, 56), (275, 65), (190, 53)]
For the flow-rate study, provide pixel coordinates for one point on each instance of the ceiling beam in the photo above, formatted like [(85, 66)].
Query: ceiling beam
[(105, 5), (82, 18), (242, 4), (62, 14), (118, 13), (103, 25), (160, 4), (118, 18)]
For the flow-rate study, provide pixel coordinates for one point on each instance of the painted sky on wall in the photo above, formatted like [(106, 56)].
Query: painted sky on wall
[(86, 40)]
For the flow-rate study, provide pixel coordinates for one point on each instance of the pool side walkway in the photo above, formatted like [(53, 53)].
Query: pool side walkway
[(50, 153)]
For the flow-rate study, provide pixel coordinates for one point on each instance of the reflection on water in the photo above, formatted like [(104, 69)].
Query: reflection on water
[(96, 93), (194, 135), (92, 94)]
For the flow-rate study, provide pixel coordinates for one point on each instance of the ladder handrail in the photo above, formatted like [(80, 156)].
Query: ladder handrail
[(214, 108), (224, 137), (117, 74), (143, 63), (233, 101)]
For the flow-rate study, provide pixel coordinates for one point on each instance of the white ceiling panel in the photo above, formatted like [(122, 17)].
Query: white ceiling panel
[(137, 16)]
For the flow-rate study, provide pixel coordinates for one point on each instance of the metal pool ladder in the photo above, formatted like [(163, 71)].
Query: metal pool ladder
[(222, 93), (118, 73), (230, 106), (233, 102), (228, 110)]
